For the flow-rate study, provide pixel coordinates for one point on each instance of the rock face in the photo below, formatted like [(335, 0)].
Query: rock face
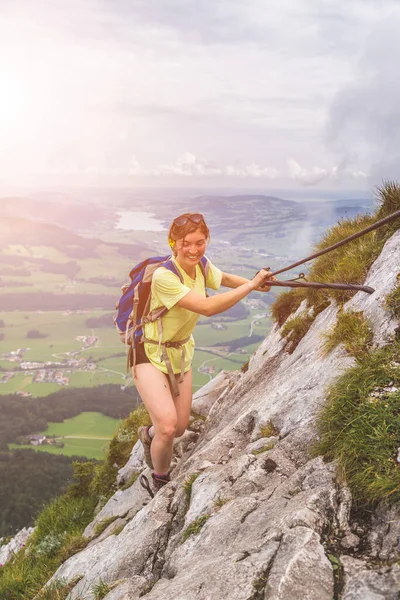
[(8, 550), (262, 512)]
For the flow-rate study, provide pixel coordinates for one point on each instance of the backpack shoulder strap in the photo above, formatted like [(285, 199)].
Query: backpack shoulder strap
[(169, 264), (203, 264), (205, 267)]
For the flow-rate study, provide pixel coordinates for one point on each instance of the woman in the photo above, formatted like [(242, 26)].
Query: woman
[(186, 300)]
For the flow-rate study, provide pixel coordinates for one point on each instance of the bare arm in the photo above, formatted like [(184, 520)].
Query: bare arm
[(234, 281), (222, 302)]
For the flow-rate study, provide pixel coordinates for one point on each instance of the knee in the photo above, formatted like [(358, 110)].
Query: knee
[(180, 431), (167, 430)]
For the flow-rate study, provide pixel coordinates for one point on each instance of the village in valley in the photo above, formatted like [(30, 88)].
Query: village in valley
[(50, 371)]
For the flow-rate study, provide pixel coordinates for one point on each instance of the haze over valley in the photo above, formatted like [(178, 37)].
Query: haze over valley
[(62, 264)]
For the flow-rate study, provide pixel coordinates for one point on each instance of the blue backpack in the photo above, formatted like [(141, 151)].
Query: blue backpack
[(134, 304)]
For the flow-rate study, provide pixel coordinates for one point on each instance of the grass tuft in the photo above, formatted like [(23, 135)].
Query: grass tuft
[(393, 301), (286, 304), (353, 331), (295, 329), (263, 449), (360, 426), (102, 525), (195, 527), (57, 536), (188, 484), (101, 589), (388, 200), (59, 590), (220, 501), (268, 430), (245, 366), (130, 481)]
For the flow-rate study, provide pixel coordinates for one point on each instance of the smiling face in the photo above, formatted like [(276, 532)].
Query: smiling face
[(190, 249)]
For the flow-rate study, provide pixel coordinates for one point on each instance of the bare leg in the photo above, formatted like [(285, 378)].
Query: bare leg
[(154, 391), (183, 402), (168, 414)]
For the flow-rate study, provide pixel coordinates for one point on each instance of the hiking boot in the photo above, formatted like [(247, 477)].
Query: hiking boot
[(144, 437), (159, 481)]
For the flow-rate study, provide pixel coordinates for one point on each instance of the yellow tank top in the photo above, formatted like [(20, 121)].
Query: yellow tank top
[(178, 323)]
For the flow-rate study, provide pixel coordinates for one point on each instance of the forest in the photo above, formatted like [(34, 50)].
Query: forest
[(23, 416), (30, 479)]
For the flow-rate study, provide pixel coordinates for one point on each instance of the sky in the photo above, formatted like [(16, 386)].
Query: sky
[(183, 93)]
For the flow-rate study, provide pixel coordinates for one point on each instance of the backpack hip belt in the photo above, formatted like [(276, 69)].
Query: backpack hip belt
[(164, 354)]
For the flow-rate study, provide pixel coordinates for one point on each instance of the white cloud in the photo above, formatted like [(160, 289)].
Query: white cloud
[(247, 85), (364, 124), (188, 165), (315, 174)]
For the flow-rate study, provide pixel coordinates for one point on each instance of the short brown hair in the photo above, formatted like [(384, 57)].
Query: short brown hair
[(178, 233)]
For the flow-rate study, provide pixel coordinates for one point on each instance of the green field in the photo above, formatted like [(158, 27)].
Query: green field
[(108, 353), (59, 329), (87, 434)]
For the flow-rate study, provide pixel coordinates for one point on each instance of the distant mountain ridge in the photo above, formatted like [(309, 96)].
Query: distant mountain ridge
[(17, 230), (63, 214), (268, 201)]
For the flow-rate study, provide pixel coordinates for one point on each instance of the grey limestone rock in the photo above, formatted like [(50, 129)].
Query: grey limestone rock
[(137, 550), (382, 277), (7, 551), (204, 398), (128, 589), (300, 571), (134, 465), (240, 525), (380, 584), (384, 536)]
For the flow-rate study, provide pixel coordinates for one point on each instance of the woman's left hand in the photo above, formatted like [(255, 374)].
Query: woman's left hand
[(265, 287)]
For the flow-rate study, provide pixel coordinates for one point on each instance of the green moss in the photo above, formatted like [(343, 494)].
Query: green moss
[(102, 525), (258, 585), (353, 331), (188, 484), (130, 481), (245, 367), (195, 527), (295, 329), (268, 430), (263, 449), (197, 417), (393, 302), (360, 426), (119, 529)]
